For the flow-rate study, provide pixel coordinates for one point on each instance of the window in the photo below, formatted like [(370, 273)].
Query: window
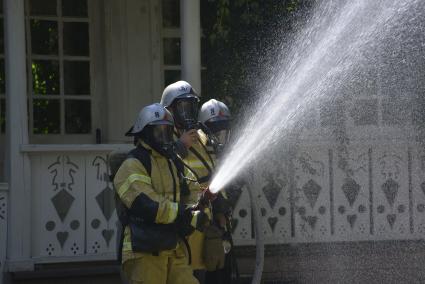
[(332, 113), (396, 111), (58, 53), (365, 112), (171, 43)]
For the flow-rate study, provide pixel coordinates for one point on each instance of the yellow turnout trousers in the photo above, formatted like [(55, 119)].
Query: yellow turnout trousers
[(169, 267), (196, 243)]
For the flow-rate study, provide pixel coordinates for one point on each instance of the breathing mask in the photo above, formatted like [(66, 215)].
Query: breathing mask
[(160, 138), (185, 111), (219, 130)]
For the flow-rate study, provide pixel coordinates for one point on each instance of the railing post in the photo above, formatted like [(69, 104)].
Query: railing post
[(3, 228), (17, 163)]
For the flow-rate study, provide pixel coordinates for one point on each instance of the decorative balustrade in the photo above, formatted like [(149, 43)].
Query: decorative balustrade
[(370, 193), (314, 193), (73, 212)]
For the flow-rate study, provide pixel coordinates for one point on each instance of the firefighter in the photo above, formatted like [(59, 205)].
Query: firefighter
[(216, 117), (150, 183), (195, 147)]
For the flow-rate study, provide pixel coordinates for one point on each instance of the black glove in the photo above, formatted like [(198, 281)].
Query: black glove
[(221, 205), (189, 219), (200, 220), (233, 192), (205, 199), (183, 220)]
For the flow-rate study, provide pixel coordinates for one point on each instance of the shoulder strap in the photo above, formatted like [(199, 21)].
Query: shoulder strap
[(174, 180), (143, 155), (179, 165), (208, 153), (199, 156), (184, 188)]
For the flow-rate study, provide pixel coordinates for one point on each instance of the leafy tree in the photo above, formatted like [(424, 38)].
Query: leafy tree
[(244, 39)]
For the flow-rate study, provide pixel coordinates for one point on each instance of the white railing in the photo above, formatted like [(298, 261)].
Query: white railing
[(73, 213), (309, 196), (312, 197)]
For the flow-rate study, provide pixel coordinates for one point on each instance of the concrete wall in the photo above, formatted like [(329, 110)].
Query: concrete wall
[(359, 262)]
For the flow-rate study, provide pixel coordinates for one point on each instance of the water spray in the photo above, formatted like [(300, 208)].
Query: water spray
[(330, 46), (322, 57)]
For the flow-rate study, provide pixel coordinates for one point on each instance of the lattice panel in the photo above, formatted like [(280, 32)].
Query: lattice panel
[(101, 216), (242, 226), (272, 194), (417, 187), (391, 198), (59, 209), (325, 194), (311, 192), (351, 194), (74, 211)]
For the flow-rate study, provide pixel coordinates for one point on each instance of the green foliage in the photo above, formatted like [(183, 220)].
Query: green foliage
[(46, 116), (46, 120), (39, 86), (244, 38), (2, 116)]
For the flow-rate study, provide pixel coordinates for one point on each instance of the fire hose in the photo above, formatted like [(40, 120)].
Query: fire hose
[(259, 238)]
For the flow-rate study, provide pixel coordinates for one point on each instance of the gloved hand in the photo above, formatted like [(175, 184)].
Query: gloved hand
[(200, 220), (188, 219), (189, 137), (221, 205), (205, 199)]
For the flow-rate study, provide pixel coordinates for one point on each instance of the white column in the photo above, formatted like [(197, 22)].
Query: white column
[(190, 22), (17, 163)]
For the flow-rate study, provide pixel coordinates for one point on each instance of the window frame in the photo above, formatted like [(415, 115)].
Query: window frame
[(173, 32), (167, 33), (62, 136)]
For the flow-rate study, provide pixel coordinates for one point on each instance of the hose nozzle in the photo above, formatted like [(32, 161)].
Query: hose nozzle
[(206, 197)]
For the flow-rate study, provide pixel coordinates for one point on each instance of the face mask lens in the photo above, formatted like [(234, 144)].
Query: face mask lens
[(222, 136), (163, 134), (187, 109), (221, 130)]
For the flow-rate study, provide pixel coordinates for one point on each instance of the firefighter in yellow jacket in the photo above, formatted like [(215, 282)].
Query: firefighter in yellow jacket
[(194, 147), (221, 268), (150, 183)]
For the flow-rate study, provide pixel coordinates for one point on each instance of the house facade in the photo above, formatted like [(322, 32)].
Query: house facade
[(74, 75)]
